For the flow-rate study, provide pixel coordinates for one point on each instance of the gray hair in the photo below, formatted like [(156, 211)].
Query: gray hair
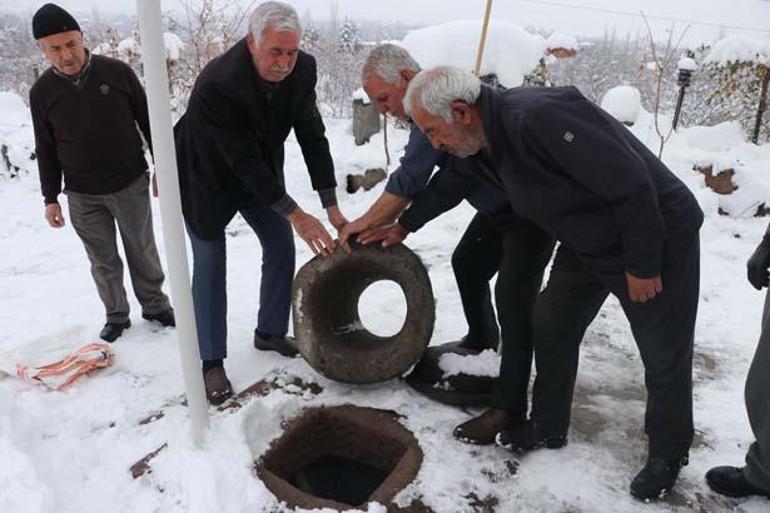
[(386, 61), (435, 89), (273, 14)]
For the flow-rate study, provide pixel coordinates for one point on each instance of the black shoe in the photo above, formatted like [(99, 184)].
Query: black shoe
[(656, 478), (283, 345), (166, 317), (112, 330), (527, 438), (732, 482)]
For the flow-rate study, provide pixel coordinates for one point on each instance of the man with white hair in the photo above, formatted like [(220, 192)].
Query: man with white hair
[(495, 240), (627, 227), (230, 151)]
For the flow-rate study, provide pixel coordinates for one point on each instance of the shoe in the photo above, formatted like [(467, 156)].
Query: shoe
[(482, 430), (656, 478), (112, 330), (218, 387), (165, 317), (528, 437), (284, 345), (478, 345), (732, 482)]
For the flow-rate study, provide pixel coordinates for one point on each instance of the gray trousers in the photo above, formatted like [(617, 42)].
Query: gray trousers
[(757, 394), (94, 218)]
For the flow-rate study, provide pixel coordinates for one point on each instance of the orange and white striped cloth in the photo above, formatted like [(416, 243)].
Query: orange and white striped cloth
[(66, 365)]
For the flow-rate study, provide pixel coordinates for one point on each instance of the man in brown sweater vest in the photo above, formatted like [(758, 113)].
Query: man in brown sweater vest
[(85, 112)]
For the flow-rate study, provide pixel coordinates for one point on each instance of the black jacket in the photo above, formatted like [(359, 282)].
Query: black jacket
[(581, 175), (229, 143), (88, 131)]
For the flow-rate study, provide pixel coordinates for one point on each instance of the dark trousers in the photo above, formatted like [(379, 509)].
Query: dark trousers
[(526, 252), (209, 285), (758, 407), (475, 261), (663, 329), (94, 218)]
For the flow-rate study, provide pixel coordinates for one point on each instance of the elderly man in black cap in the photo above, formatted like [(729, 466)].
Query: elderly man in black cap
[(85, 112)]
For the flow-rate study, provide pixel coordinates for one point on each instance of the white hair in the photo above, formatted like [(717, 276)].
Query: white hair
[(278, 15), (387, 61), (435, 89)]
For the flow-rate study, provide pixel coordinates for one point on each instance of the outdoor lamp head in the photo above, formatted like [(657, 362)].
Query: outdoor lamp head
[(685, 77)]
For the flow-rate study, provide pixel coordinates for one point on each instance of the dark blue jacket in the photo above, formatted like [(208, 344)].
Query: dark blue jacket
[(580, 175), (411, 177)]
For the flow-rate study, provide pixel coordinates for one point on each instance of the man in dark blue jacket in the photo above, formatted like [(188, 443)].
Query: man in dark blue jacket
[(627, 227), (230, 152), (495, 242)]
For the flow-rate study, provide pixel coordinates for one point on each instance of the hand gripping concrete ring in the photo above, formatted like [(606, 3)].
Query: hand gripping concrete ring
[(327, 325)]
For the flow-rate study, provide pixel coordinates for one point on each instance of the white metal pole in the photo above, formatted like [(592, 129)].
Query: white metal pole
[(156, 76)]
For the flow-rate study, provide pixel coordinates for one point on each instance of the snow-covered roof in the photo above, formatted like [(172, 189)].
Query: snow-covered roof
[(561, 40), (510, 51), (735, 49), (623, 103), (174, 46)]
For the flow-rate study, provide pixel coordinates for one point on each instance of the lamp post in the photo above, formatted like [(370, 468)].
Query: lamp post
[(686, 67)]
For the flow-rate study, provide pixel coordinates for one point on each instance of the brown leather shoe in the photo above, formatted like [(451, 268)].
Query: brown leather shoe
[(218, 387), (482, 430), (283, 345)]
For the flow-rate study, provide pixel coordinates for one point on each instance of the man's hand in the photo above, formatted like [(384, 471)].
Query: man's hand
[(312, 232), (389, 235), (336, 218), (643, 289), (350, 229), (756, 267), (54, 215)]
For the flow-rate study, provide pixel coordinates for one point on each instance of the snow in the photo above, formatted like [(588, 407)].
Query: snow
[(16, 132), (486, 363), (174, 46), (70, 451), (510, 51), (736, 49), (560, 40), (128, 45), (623, 102), (687, 64)]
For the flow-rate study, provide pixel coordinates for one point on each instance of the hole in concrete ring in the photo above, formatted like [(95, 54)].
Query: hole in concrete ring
[(328, 327), (382, 308), (340, 457)]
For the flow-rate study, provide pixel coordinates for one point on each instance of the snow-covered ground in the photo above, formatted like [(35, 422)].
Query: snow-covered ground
[(71, 451)]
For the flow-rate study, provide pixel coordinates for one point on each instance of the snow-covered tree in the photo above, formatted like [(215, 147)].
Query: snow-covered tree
[(349, 40), (741, 68)]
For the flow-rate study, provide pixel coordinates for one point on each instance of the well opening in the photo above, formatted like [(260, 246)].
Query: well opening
[(340, 457)]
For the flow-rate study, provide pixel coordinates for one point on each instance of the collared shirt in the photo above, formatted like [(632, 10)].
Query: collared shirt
[(79, 79)]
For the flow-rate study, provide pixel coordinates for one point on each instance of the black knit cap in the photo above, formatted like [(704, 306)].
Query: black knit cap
[(52, 19)]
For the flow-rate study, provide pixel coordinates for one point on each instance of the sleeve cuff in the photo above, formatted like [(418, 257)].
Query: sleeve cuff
[(408, 224), (328, 197), (285, 205), (51, 199)]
